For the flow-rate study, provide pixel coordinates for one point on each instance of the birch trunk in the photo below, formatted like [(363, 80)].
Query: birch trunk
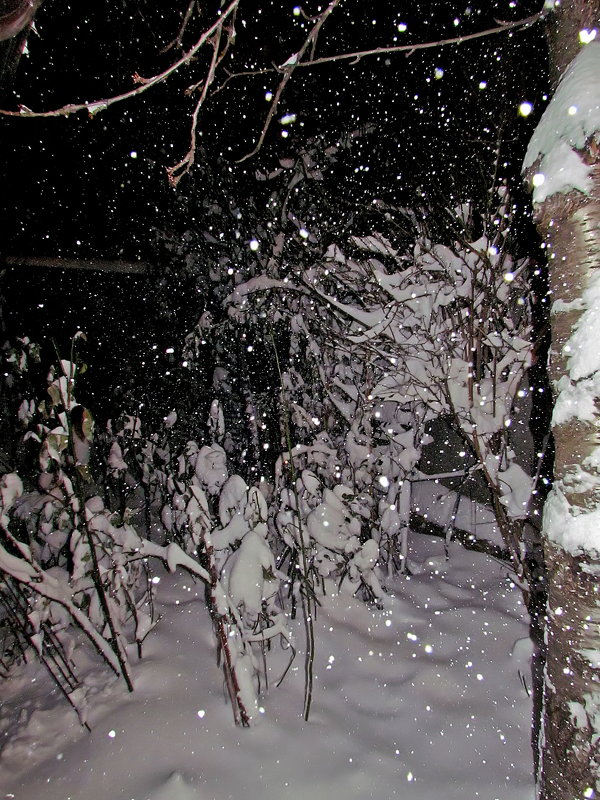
[(569, 222)]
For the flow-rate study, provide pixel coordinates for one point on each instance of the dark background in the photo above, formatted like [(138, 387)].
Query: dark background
[(71, 188)]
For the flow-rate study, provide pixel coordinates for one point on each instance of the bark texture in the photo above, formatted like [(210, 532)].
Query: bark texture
[(569, 762), (15, 16), (570, 225), (570, 754), (562, 33)]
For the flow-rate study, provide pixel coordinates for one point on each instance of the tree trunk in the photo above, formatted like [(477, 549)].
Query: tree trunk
[(569, 222)]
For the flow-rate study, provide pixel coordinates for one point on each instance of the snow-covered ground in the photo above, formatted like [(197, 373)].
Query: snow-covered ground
[(421, 701)]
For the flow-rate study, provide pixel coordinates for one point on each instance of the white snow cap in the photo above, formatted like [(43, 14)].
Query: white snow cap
[(572, 116), (211, 468), (576, 532)]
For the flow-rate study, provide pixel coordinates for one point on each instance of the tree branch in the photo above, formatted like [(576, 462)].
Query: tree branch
[(296, 62), (502, 27), (144, 83), (288, 69), (176, 172), (177, 40), (213, 36)]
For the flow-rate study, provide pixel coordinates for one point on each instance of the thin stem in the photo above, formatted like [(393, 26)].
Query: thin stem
[(77, 503), (288, 69), (177, 171), (240, 713), (144, 83), (307, 590)]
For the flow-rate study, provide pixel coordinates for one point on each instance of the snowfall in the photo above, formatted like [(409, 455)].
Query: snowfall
[(427, 697)]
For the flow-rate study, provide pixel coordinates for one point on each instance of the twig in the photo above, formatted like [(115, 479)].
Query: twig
[(250, 73), (411, 48), (177, 40), (307, 593), (77, 504), (176, 172), (144, 83), (288, 70), (357, 56)]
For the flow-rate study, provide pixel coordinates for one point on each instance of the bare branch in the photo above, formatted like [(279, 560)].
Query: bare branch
[(177, 40), (247, 74), (211, 73), (288, 69), (144, 83), (213, 36), (311, 41), (411, 48), (176, 172)]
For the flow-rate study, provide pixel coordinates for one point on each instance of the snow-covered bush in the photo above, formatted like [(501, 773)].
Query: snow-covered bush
[(76, 544), (447, 330), (372, 340), (67, 560), (323, 352)]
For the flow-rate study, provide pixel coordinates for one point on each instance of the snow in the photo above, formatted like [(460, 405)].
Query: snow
[(575, 400), (115, 458), (252, 578), (292, 60), (211, 467), (582, 347), (331, 524), (439, 504), (561, 171), (515, 486), (577, 533), (418, 701), (376, 244), (572, 116)]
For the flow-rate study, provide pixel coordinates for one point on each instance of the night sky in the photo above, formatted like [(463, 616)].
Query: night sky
[(72, 187), (97, 187)]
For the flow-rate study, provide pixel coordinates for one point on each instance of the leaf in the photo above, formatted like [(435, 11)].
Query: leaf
[(57, 441), (54, 392), (87, 425), (84, 471)]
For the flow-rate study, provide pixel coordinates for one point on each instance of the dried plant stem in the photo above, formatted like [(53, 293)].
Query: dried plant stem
[(54, 657), (115, 640), (220, 627), (77, 503), (307, 590)]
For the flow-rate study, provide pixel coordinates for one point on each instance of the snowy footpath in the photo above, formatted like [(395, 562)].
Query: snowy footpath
[(424, 700)]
